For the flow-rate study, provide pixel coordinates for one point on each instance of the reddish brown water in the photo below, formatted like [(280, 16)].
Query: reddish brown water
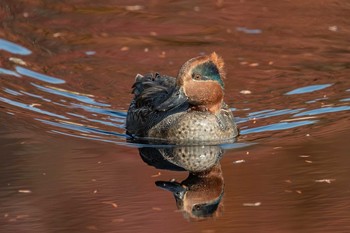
[(64, 162)]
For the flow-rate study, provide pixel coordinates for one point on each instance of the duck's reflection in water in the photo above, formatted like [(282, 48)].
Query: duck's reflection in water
[(199, 196)]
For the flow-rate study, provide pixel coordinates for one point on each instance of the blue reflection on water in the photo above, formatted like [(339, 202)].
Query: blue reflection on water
[(315, 100), (90, 53), (12, 92), (277, 126), (81, 98), (323, 110), (36, 96), (41, 77), (101, 110), (98, 121), (31, 108), (345, 100), (248, 31), (9, 72), (308, 89), (264, 114), (13, 48), (80, 128)]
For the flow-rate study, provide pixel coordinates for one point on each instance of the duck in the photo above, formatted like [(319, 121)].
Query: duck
[(188, 109)]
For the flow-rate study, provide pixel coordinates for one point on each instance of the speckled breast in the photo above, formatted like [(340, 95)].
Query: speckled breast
[(195, 126)]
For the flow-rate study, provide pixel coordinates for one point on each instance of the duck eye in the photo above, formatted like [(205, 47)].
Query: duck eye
[(196, 76)]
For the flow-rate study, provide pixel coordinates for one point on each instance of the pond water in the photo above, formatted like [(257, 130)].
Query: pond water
[(66, 71)]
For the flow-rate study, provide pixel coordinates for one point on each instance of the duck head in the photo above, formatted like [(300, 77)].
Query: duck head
[(200, 82)]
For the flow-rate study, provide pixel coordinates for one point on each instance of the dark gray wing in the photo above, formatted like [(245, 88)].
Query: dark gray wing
[(151, 91)]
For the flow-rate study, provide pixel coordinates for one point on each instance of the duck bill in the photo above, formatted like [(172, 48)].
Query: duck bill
[(176, 188), (176, 99)]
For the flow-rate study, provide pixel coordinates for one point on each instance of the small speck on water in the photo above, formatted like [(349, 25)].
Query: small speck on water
[(254, 64), (333, 28), (239, 161), (328, 181), (156, 175), (17, 61), (90, 53), (245, 92), (255, 204), (24, 191), (162, 55), (134, 8), (110, 203)]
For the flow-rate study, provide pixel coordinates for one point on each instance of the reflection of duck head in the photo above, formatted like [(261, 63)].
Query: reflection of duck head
[(200, 194)]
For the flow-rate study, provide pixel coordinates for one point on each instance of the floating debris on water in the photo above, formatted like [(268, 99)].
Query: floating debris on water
[(24, 191), (156, 175), (252, 204), (239, 161), (333, 28), (17, 61), (124, 48), (254, 64), (134, 8), (328, 181), (245, 92), (110, 203)]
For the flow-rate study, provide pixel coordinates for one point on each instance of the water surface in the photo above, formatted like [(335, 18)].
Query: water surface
[(66, 71)]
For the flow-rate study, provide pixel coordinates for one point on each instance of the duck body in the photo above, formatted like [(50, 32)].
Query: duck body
[(185, 109)]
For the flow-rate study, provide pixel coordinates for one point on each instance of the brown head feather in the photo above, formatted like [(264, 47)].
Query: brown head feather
[(219, 62)]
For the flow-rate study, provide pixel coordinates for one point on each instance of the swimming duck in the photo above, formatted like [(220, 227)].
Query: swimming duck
[(186, 109)]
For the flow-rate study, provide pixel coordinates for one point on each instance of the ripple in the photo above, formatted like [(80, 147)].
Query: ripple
[(323, 110), (30, 108), (13, 48), (70, 94), (12, 92), (248, 31), (38, 76), (103, 111), (272, 113), (79, 127), (308, 89), (9, 72), (36, 96), (277, 126)]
